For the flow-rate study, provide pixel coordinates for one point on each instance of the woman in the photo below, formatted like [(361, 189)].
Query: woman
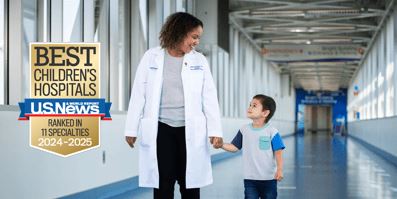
[(174, 109)]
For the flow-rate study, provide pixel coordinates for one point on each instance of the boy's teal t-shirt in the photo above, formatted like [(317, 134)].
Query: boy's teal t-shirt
[(258, 146)]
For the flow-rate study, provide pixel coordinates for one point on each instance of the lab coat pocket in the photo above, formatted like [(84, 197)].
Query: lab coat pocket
[(264, 143), (147, 130), (200, 131)]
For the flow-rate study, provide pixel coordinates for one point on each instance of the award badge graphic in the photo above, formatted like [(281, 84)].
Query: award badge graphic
[(64, 108)]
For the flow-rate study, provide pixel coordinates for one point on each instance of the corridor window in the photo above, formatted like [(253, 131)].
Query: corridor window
[(181, 5), (72, 21), (29, 28)]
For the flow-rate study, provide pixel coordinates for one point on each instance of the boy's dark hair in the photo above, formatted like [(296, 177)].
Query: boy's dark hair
[(176, 28), (268, 103)]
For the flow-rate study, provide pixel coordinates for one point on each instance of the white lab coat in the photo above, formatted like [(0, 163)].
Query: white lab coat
[(202, 116)]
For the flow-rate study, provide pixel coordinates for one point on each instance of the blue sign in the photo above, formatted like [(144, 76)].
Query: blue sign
[(337, 100)]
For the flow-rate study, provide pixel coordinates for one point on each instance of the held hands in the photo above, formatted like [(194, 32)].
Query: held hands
[(130, 141), (279, 175), (216, 142)]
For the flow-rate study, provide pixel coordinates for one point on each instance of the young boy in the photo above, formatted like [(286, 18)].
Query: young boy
[(262, 146)]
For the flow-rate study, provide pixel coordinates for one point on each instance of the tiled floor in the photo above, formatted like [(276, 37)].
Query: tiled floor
[(315, 166)]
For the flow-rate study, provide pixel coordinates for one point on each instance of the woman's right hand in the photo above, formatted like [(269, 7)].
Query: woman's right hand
[(130, 141)]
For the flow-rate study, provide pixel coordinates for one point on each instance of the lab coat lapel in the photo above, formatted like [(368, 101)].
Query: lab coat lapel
[(158, 83), (159, 59)]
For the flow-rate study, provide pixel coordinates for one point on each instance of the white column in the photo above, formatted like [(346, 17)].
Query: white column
[(242, 77), (72, 21), (381, 75), (138, 41), (170, 7), (190, 6), (227, 75), (3, 53), (29, 34), (390, 71), (102, 36), (394, 16), (233, 62), (240, 83), (124, 48), (115, 63), (56, 20), (43, 20), (258, 70), (373, 74), (88, 20), (214, 64), (368, 86), (155, 16), (180, 5), (167, 10), (220, 84)]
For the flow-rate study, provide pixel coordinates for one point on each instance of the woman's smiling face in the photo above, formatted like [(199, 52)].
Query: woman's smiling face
[(191, 40)]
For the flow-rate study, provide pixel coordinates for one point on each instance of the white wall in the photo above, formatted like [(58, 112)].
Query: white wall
[(380, 133), (30, 173)]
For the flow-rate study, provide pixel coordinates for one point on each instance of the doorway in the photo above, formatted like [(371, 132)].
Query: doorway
[(318, 119)]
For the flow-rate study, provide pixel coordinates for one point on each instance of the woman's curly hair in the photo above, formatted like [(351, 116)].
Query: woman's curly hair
[(176, 28)]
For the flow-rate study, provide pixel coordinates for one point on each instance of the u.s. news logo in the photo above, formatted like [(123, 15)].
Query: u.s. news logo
[(64, 107)]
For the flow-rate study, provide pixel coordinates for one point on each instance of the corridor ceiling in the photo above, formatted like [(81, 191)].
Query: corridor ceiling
[(305, 23)]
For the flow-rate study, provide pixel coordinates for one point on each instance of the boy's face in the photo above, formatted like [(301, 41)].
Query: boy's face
[(255, 110)]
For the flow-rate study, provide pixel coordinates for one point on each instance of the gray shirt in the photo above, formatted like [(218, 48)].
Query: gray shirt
[(258, 146), (172, 104)]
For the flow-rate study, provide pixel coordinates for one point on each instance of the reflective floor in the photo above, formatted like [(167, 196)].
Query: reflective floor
[(315, 166)]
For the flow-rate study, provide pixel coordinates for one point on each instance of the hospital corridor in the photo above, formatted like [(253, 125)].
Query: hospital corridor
[(328, 66)]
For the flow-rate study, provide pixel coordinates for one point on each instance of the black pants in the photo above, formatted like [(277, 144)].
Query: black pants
[(171, 156)]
